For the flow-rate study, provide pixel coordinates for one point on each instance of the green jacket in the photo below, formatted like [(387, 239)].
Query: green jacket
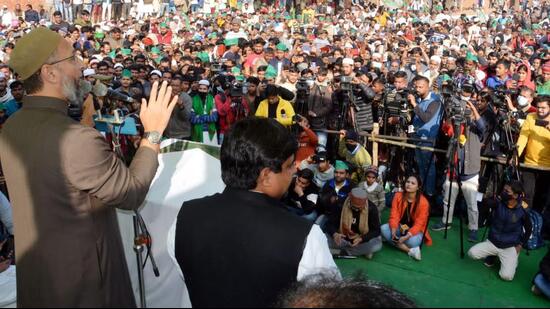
[(544, 89)]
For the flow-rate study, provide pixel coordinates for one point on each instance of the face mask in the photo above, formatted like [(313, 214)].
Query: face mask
[(463, 98), (310, 83), (377, 65), (351, 147), (99, 89), (523, 101), (505, 197)]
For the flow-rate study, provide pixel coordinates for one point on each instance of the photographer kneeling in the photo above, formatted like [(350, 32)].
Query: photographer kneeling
[(468, 164)]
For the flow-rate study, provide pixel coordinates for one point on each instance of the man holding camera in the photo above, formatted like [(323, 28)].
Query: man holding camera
[(533, 141), (467, 163), (319, 106), (428, 109)]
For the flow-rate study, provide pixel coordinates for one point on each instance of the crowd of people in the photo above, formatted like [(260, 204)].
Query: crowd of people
[(476, 85)]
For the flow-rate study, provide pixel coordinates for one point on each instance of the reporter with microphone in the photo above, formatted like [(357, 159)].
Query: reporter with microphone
[(65, 183)]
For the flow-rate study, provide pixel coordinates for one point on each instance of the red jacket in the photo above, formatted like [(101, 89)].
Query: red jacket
[(227, 113), (307, 145), (419, 216)]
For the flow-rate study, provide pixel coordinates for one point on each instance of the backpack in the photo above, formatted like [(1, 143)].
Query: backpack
[(535, 241)]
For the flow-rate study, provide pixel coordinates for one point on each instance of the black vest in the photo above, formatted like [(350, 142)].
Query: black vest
[(238, 249)]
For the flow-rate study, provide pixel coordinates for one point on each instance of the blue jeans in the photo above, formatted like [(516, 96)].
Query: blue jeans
[(300, 212), (543, 285), (412, 242), (426, 170)]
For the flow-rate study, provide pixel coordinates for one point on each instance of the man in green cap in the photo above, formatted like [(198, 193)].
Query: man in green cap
[(334, 193), (280, 60), (65, 183), (233, 52)]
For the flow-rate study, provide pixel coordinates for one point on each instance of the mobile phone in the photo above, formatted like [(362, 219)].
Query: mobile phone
[(541, 123)]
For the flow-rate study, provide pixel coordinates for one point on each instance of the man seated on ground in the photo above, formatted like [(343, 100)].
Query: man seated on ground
[(302, 196), (375, 190), (334, 194), (510, 230), (322, 169), (354, 153), (356, 230)]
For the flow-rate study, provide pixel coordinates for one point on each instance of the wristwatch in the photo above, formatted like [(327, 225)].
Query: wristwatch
[(153, 137)]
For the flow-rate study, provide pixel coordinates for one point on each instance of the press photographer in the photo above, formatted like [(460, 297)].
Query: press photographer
[(462, 115), (522, 105), (319, 106), (428, 110)]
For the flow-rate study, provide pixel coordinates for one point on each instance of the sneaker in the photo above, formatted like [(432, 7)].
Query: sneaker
[(472, 237), (439, 227), (490, 261), (415, 253)]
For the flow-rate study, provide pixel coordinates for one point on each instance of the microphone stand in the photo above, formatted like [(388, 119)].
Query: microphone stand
[(142, 238)]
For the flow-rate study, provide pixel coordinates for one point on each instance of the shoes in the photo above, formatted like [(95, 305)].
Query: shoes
[(440, 227), (536, 290), (472, 237), (490, 261), (369, 256), (415, 253)]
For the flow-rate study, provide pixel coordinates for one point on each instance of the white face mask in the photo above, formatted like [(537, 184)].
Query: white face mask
[(523, 101), (310, 82)]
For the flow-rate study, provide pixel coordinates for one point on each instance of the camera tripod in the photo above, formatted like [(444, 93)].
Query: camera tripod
[(452, 154)]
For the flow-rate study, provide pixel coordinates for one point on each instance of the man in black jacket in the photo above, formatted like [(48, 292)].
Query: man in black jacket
[(241, 248), (319, 106), (510, 230), (302, 195)]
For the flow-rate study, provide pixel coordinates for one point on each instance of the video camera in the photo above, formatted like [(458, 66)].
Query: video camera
[(396, 102), (498, 97), (455, 107)]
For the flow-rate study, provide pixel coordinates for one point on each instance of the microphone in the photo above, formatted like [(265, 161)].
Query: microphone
[(115, 95)]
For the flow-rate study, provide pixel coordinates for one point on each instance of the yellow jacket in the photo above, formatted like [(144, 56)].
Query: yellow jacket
[(263, 111), (535, 141)]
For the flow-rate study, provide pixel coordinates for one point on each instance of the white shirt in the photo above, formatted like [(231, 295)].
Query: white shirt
[(236, 35), (316, 257)]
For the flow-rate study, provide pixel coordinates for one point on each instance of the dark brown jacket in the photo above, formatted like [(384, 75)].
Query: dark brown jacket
[(65, 183)]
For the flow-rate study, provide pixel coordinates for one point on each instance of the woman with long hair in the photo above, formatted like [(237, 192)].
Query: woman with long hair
[(408, 219)]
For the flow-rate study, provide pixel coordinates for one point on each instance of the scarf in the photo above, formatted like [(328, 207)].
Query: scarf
[(198, 107), (346, 221), (371, 187)]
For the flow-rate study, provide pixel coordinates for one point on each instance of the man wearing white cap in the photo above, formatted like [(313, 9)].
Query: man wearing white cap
[(204, 116), (347, 67)]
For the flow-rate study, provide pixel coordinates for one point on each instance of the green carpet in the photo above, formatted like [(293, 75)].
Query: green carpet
[(443, 279)]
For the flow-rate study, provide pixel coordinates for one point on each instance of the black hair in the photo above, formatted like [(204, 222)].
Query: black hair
[(400, 74), (421, 78), (355, 292), (253, 80), (245, 151), (272, 91), (542, 98), (16, 84), (57, 13), (505, 63), (306, 174), (516, 186)]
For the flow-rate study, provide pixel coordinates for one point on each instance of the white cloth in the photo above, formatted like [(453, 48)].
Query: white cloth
[(8, 289), (469, 190), (6, 214), (236, 35), (316, 258), (508, 257)]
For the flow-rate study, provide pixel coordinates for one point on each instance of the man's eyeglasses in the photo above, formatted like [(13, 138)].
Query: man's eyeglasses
[(72, 58)]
